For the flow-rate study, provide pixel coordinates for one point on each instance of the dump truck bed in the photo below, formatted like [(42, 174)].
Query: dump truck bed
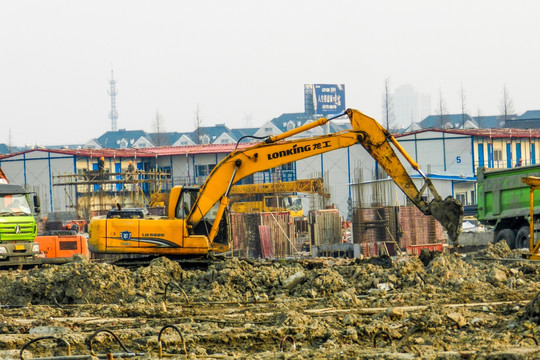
[(502, 194)]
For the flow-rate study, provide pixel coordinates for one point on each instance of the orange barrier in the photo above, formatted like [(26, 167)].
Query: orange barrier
[(417, 249)]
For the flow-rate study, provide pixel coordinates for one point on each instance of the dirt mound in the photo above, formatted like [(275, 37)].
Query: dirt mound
[(532, 310), (84, 282), (244, 308), (493, 251)]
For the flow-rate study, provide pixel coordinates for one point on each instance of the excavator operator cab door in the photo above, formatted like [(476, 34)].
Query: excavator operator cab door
[(185, 202)]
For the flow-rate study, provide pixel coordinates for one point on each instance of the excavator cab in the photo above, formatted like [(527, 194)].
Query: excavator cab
[(185, 202), (185, 206)]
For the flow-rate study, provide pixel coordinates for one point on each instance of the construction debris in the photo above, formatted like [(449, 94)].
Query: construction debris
[(484, 305)]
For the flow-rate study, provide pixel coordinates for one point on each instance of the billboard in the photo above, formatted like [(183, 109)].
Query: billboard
[(324, 99)]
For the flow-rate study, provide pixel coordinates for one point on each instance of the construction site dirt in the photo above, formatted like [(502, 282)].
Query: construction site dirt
[(483, 304)]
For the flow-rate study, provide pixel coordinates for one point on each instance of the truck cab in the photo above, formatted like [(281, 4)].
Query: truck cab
[(283, 203), (17, 224)]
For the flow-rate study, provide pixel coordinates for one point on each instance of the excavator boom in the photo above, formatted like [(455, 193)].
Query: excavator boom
[(277, 150)]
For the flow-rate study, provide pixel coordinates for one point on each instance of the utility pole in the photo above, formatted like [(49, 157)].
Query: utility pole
[(113, 114)]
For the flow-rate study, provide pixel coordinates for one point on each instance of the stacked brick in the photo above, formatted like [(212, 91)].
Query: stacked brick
[(375, 225), (418, 228), (405, 225)]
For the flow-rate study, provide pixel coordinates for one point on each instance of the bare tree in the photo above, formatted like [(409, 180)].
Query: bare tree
[(441, 110), (463, 106), (388, 108), (159, 135), (10, 143), (479, 117), (198, 122), (507, 105)]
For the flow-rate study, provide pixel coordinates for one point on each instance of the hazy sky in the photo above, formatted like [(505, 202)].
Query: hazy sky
[(239, 60)]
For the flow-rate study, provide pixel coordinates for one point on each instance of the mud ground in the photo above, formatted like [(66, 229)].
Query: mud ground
[(483, 305)]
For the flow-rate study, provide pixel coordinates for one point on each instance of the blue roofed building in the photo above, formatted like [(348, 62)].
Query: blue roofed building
[(4, 149), (528, 120), (283, 123), (290, 121), (448, 121), (465, 121), (244, 134), (489, 122), (121, 139), (183, 139), (217, 134)]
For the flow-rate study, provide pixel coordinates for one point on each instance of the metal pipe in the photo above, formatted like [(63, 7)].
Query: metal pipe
[(297, 130), (179, 333), (68, 346), (284, 340)]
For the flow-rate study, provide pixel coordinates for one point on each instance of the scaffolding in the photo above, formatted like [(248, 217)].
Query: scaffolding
[(96, 192)]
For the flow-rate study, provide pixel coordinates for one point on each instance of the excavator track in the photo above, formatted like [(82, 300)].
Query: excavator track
[(187, 263)]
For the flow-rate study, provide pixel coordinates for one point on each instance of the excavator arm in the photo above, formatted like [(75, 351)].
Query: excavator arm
[(276, 151)]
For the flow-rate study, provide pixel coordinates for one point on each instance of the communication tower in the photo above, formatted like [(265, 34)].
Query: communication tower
[(113, 114)]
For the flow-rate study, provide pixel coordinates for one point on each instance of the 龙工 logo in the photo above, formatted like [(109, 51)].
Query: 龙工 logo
[(125, 235), (295, 149)]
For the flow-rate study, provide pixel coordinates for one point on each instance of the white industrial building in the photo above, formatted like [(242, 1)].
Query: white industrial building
[(351, 176)]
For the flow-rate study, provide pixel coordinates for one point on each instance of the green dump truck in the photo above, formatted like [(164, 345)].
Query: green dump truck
[(17, 224), (503, 202)]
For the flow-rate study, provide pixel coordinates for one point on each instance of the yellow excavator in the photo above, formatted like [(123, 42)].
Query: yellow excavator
[(193, 224)]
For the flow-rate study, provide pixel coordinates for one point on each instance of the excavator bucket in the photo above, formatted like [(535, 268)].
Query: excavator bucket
[(449, 212)]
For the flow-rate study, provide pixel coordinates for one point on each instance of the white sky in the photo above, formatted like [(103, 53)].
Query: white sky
[(241, 59)]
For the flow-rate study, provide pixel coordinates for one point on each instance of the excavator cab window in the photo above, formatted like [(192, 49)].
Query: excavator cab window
[(127, 213), (187, 198)]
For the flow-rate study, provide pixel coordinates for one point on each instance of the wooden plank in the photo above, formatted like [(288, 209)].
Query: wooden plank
[(266, 241)]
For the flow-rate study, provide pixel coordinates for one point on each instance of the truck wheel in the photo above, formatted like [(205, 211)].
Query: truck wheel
[(522, 238), (507, 235)]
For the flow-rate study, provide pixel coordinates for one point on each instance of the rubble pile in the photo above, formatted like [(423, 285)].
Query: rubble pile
[(482, 304)]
